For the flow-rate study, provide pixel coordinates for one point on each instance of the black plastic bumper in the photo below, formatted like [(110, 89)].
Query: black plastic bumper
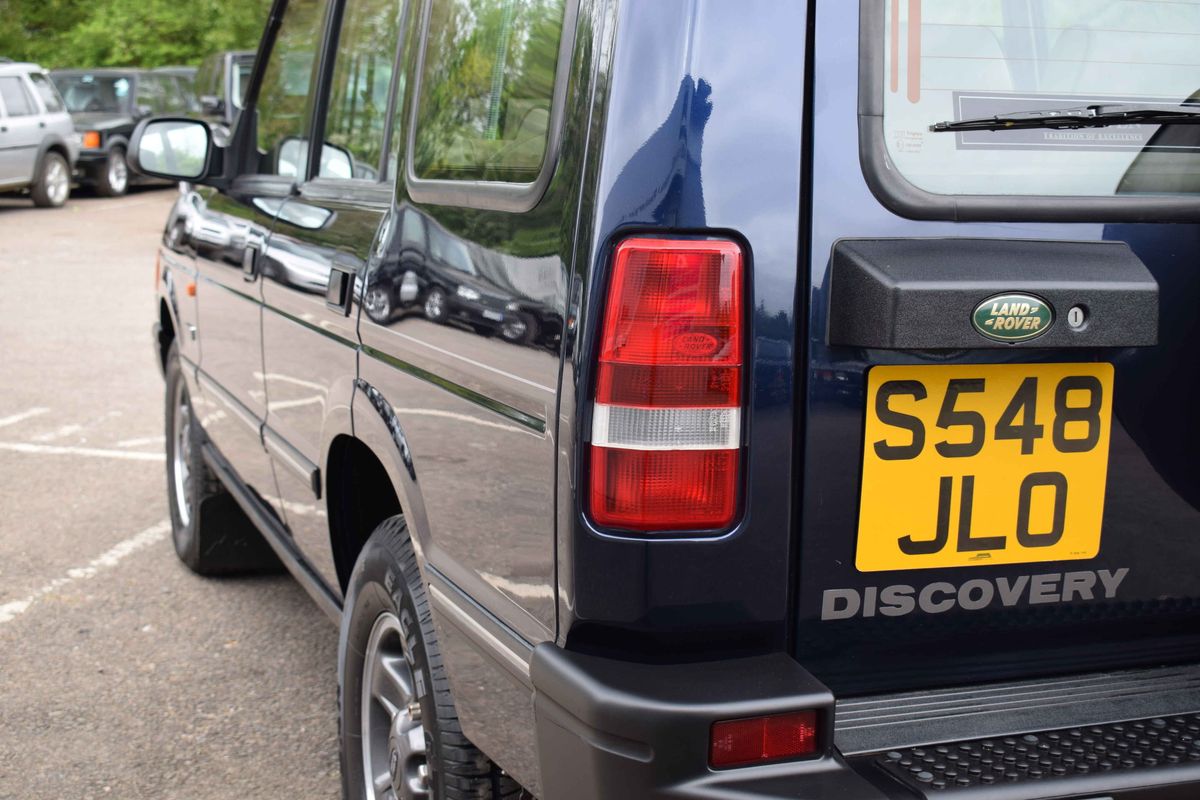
[(611, 729)]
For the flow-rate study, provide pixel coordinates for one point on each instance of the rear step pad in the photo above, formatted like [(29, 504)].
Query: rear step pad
[(1068, 761)]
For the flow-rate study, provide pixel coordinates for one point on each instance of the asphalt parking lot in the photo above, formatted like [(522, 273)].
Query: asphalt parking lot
[(122, 674)]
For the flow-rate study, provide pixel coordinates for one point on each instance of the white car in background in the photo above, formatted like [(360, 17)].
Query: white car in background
[(38, 148)]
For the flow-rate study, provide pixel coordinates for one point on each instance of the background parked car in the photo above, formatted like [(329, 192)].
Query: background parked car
[(105, 105), (220, 83), (185, 82), (37, 144)]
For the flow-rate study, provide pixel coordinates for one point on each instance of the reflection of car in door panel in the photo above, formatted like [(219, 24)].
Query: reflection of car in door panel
[(831, 429)]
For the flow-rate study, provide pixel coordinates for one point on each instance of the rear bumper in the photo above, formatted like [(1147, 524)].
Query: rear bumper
[(613, 729)]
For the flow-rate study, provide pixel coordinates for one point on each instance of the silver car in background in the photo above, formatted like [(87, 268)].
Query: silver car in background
[(38, 147)]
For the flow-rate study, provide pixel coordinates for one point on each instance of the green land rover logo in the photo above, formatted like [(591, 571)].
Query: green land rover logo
[(1013, 317)]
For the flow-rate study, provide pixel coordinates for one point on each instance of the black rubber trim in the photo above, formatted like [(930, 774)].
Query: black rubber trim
[(614, 729), (293, 459), (905, 199), (920, 294), (911, 719), (274, 534)]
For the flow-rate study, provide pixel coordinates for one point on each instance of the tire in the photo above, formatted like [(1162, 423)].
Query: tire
[(435, 305), (52, 186), (212, 535), (113, 178), (421, 751), (378, 303), (521, 330)]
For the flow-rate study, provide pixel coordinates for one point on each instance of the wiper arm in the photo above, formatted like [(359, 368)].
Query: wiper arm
[(1094, 116)]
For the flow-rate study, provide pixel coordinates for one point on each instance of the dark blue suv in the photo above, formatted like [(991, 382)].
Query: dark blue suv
[(701, 399)]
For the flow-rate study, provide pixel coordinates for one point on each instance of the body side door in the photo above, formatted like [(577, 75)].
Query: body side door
[(320, 243), (22, 130)]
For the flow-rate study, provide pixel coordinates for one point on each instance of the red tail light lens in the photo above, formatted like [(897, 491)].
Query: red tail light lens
[(742, 742), (666, 425)]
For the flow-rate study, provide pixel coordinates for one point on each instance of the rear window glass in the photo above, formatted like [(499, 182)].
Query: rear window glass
[(950, 60), (486, 86), (46, 89)]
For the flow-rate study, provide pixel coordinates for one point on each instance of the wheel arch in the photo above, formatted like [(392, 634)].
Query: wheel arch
[(166, 330), (368, 478), (52, 144)]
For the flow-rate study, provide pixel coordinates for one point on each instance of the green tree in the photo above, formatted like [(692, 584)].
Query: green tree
[(139, 33)]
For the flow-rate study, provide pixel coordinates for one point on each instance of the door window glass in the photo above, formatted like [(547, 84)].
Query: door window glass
[(358, 99), (412, 230), (208, 76), (241, 79), (151, 95), (284, 99), (16, 97), (950, 60), (486, 86), (49, 94)]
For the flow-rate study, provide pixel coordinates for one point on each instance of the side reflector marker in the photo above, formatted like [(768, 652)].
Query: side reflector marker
[(744, 742)]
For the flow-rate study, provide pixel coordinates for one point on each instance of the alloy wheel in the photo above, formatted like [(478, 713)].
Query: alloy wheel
[(395, 758), (181, 473), (118, 172), (58, 182)]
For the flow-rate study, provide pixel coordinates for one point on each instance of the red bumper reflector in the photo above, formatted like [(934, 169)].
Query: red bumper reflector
[(742, 742)]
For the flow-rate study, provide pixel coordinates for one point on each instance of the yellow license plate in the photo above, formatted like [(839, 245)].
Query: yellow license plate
[(967, 465)]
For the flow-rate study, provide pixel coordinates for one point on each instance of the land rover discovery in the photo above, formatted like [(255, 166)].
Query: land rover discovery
[(860, 463)]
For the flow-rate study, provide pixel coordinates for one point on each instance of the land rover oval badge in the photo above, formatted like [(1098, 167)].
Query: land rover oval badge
[(1013, 317)]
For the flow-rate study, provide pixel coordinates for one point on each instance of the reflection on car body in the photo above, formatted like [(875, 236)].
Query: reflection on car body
[(451, 280)]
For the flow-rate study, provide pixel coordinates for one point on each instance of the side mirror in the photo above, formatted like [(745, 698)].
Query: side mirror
[(174, 148), (212, 105)]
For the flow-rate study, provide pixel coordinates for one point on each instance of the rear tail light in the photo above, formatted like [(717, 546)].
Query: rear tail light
[(667, 422), (742, 742)]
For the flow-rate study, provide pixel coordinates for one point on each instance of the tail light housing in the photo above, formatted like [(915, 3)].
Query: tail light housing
[(667, 418)]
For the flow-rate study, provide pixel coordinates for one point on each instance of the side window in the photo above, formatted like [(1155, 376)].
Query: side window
[(358, 95), (176, 100), (487, 82), (284, 99), (412, 230), (208, 76), (241, 79), (150, 94), (16, 97), (45, 88)]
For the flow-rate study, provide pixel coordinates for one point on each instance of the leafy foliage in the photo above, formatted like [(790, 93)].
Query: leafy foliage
[(137, 33)]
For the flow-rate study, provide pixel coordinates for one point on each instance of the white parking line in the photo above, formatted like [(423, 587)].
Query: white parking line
[(145, 440), (61, 433), (106, 560), (90, 452), (24, 415)]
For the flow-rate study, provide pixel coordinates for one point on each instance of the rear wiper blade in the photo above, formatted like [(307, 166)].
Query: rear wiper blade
[(1094, 116)]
